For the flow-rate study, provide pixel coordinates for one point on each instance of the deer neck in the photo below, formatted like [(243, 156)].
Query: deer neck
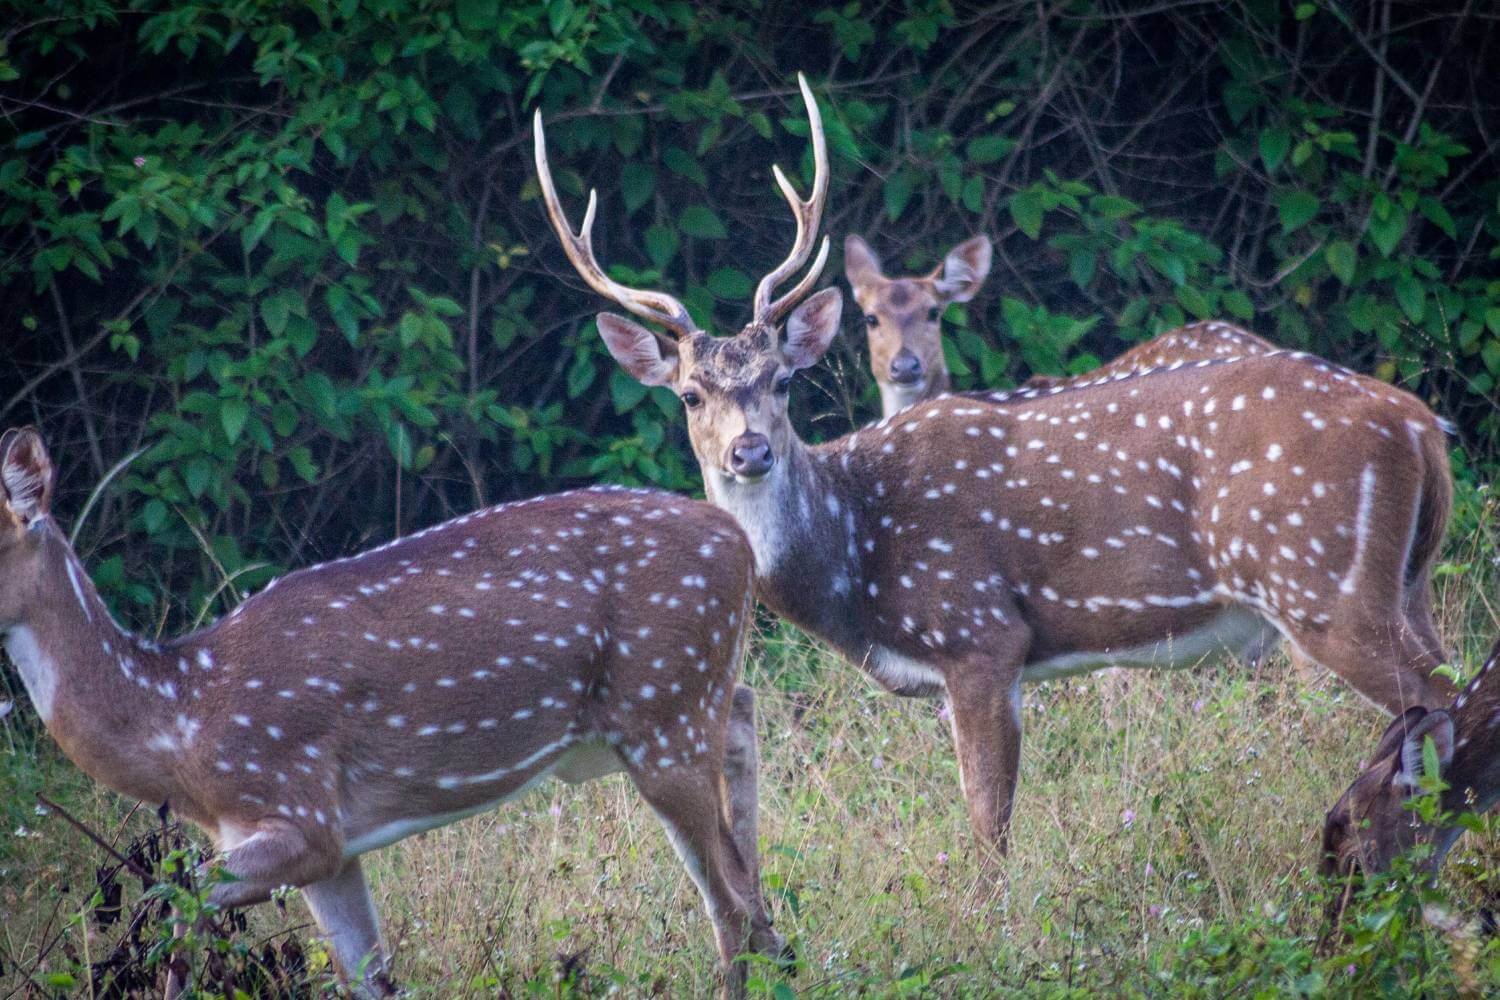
[(802, 522), (96, 687), (1474, 775), (895, 398)]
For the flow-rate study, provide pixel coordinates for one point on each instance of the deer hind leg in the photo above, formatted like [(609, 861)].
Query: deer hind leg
[(691, 807), (1417, 605), (1386, 659), (276, 853), (741, 779), (984, 701), (344, 912)]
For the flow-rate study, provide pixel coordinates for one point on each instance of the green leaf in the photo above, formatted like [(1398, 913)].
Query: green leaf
[(153, 516), (661, 245), (232, 416), (1112, 207), (1387, 225), (897, 191), (1411, 297), (1026, 209), (1341, 259), (197, 475), (1435, 213), (1274, 143), (344, 312), (1296, 209), (1238, 304), (1490, 352), (1194, 302), (625, 391), (972, 197), (700, 221), (276, 309), (729, 283), (478, 15), (637, 184), (990, 148), (1081, 263), (684, 164)]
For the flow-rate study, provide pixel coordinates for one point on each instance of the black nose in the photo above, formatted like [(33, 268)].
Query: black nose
[(906, 368), (750, 455)]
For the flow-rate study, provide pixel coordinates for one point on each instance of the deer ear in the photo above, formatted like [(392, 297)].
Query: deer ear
[(1438, 725), (812, 327), (964, 269), (861, 266), (26, 474), (651, 359), (1396, 731)]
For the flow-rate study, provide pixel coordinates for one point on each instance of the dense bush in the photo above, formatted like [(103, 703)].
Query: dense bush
[(291, 260)]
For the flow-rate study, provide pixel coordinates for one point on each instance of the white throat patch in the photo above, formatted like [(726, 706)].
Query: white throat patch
[(895, 398), (38, 672), (762, 509)]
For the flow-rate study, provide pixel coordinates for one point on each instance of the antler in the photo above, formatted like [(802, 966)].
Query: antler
[(807, 213), (658, 307)]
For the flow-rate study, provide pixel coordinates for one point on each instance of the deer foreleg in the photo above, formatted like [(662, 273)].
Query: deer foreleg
[(345, 914), (984, 700), (741, 778)]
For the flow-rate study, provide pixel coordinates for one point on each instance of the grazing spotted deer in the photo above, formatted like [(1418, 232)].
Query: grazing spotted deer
[(1371, 824), (902, 318), (964, 545), (358, 702)]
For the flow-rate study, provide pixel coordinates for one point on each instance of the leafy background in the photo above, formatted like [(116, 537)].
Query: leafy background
[(282, 267)]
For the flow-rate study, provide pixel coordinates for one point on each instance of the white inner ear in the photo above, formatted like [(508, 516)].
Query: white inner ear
[(25, 485), (957, 271), (1410, 775)]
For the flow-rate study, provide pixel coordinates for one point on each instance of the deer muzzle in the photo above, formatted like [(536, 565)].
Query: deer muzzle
[(906, 368), (750, 456)]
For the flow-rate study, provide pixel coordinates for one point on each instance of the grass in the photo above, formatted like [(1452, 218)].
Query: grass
[(1164, 844)]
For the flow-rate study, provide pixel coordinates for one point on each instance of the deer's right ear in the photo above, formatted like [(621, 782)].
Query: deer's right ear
[(965, 268), (648, 357), (861, 266), (1437, 724), (812, 327), (26, 474)]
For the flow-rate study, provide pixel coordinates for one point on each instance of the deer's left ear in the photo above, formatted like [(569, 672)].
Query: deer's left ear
[(810, 329), (1437, 724), (26, 474), (964, 269)]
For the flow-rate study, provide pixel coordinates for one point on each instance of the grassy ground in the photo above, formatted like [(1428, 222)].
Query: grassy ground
[(1164, 843)]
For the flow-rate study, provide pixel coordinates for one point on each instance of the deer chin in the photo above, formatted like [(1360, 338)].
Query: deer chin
[(739, 479), (895, 397)]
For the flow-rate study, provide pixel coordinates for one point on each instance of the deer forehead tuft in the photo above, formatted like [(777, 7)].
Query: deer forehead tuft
[(744, 361), (905, 294)]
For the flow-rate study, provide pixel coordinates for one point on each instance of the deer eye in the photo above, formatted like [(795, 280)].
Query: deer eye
[(691, 399), (871, 320), (783, 384), (932, 314)]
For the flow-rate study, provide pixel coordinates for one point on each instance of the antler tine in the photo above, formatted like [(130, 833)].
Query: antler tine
[(658, 307), (808, 214)]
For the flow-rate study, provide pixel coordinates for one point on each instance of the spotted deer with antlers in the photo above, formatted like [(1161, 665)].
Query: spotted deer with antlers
[(903, 326), (1371, 823), (358, 702), (964, 545)]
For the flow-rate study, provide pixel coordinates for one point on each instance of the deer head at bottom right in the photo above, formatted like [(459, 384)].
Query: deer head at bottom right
[(1373, 822)]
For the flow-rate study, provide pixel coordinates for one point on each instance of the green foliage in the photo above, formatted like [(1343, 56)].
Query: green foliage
[(297, 254)]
